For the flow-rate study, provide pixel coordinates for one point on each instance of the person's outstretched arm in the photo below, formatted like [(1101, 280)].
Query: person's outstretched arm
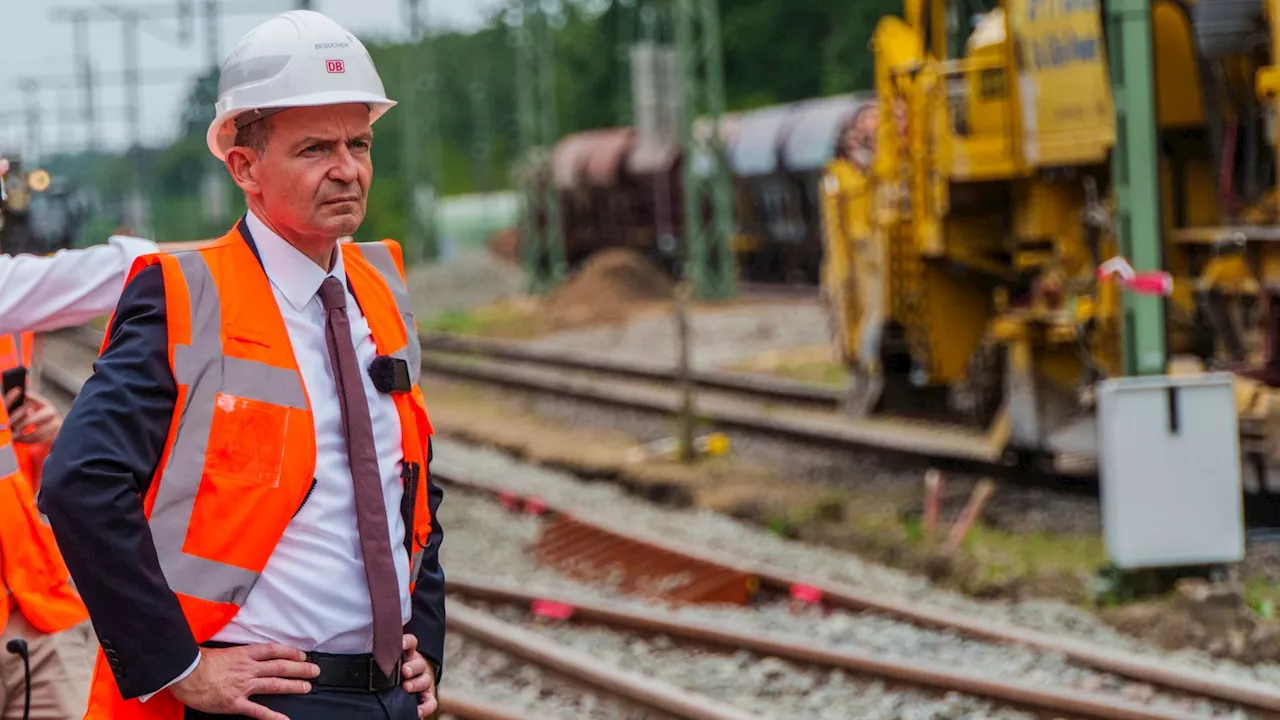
[(68, 288)]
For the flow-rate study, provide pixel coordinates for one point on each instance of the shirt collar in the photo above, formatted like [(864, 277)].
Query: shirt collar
[(295, 275)]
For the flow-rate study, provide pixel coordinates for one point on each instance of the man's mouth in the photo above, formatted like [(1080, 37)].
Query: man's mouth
[(342, 199)]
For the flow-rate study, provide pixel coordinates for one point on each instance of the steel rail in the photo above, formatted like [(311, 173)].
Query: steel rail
[(470, 707), (791, 391), (650, 692), (1253, 694), (913, 438), (916, 673)]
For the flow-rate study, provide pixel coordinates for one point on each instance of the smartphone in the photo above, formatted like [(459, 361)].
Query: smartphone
[(16, 378)]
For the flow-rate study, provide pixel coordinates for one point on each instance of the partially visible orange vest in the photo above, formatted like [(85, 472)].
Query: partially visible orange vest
[(16, 351), (31, 567), (240, 455)]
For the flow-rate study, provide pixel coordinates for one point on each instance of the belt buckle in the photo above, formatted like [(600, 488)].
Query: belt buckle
[(376, 672)]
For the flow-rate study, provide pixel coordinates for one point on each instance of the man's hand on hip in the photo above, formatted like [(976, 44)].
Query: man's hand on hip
[(419, 680), (225, 679)]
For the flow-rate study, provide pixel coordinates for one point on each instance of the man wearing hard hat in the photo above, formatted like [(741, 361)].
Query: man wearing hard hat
[(241, 492)]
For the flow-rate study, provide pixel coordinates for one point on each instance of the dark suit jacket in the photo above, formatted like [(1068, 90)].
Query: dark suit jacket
[(94, 480)]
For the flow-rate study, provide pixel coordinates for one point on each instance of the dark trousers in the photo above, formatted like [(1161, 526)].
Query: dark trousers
[(325, 704)]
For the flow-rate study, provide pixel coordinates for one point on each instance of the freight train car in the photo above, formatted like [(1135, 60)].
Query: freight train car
[(616, 190)]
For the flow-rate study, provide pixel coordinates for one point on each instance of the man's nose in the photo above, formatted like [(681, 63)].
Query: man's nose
[(345, 169)]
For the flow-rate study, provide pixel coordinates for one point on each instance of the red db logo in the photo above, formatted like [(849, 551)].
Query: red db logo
[(335, 66)]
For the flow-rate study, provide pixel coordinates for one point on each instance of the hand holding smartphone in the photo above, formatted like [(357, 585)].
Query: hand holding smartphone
[(15, 378)]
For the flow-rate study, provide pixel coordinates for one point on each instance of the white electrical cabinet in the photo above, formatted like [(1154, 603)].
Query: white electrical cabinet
[(1169, 467)]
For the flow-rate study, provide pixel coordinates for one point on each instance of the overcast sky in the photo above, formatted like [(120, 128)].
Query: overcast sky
[(33, 43)]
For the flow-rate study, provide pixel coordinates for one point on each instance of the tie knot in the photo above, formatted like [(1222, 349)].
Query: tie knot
[(332, 294)]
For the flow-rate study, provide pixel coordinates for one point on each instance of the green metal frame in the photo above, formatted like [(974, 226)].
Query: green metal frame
[(1135, 171), (419, 118), (709, 261), (535, 75)]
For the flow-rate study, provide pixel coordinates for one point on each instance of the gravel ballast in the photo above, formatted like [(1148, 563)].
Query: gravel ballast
[(484, 540), (479, 671), (704, 529)]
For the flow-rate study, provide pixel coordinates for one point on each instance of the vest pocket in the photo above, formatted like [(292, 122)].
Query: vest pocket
[(247, 441)]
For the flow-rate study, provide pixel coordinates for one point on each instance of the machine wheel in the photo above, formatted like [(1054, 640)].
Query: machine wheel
[(976, 398)]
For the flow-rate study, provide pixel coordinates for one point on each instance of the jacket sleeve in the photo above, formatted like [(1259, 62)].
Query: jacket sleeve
[(67, 288), (97, 473), (427, 620)]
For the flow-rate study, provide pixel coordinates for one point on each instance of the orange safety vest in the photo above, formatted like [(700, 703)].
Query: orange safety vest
[(16, 351), (30, 564), (240, 455)]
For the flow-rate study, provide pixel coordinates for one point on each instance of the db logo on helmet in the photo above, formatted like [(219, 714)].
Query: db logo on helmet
[(335, 66)]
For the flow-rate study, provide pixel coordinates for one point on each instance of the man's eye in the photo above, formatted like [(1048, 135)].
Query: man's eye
[(360, 144), (311, 149)]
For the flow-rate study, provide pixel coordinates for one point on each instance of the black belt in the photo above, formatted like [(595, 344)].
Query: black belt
[(345, 672)]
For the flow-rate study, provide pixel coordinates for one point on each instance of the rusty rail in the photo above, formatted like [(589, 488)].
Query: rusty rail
[(1248, 693), (647, 691), (801, 650)]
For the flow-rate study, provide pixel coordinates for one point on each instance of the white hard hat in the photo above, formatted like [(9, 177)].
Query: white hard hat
[(297, 59)]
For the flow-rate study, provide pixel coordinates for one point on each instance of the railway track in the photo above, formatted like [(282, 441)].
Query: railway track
[(777, 407), (586, 547), (595, 547)]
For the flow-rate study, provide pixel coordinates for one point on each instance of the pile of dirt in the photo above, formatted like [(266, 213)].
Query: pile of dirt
[(1210, 617), (609, 288), (505, 244)]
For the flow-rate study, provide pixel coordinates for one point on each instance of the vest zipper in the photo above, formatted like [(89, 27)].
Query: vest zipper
[(305, 498), (408, 503)]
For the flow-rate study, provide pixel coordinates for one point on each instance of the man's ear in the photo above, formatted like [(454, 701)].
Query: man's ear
[(243, 164)]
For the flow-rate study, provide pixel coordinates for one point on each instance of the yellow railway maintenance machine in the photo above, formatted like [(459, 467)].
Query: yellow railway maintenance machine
[(1021, 146)]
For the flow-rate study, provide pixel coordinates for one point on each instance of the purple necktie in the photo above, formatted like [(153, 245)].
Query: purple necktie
[(371, 509)]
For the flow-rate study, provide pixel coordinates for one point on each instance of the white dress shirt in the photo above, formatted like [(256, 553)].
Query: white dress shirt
[(313, 594), (68, 288)]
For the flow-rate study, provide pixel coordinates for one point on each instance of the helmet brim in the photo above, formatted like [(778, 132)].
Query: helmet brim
[(222, 133)]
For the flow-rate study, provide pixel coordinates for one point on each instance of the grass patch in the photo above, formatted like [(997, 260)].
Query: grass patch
[(513, 320), (1263, 597), (817, 365), (1033, 560)]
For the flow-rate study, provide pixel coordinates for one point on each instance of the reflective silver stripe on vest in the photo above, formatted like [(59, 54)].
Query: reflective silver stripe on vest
[(8, 460), (416, 566), (379, 256), (17, 347), (203, 368)]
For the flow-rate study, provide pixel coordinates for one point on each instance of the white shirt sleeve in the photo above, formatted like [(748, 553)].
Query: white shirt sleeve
[(183, 676), (68, 288)]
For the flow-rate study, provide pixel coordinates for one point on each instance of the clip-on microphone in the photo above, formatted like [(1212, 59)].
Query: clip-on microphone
[(19, 647)]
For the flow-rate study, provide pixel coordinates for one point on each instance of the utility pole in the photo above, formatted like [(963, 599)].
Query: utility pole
[(30, 89), (536, 77), (304, 5), (80, 30), (709, 262), (481, 147), (1137, 182), (138, 216), (213, 22), (419, 184), (214, 189)]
